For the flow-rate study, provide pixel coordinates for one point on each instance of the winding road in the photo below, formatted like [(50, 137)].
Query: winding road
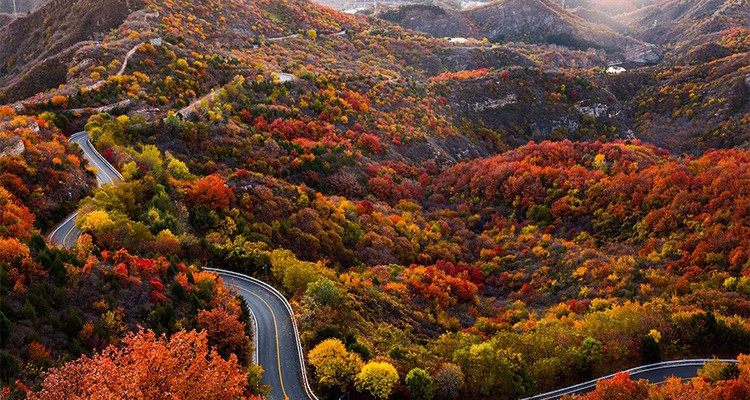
[(654, 373), (188, 110), (279, 350), (66, 234)]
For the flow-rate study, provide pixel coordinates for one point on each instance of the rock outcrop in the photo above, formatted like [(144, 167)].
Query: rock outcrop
[(11, 146)]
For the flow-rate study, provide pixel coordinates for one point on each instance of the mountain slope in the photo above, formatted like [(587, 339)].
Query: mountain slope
[(599, 17), (360, 173), (534, 21), (432, 19), (38, 47), (20, 6), (674, 21), (611, 7)]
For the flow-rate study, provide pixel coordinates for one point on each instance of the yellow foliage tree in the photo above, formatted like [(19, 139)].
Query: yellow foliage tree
[(377, 378), (178, 169), (295, 274), (334, 365), (60, 101), (95, 220)]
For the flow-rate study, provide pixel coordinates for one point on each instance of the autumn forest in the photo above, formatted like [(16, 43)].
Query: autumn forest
[(492, 218)]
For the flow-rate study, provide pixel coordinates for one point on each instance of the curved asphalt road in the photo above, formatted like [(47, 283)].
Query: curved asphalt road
[(279, 350), (654, 373), (66, 234), (278, 347)]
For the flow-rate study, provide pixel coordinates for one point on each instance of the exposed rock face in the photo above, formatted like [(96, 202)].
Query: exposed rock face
[(593, 111), (642, 55), (11, 146), (495, 103), (431, 19), (511, 18)]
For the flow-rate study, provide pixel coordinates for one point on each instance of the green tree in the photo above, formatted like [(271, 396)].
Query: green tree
[(177, 169), (420, 384), (294, 274), (540, 214), (494, 370), (73, 323), (151, 157), (378, 379), (5, 328), (324, 292), (94, 220), (254, 385), (8, 367), (28, 311), (716, 370), (585, 357)]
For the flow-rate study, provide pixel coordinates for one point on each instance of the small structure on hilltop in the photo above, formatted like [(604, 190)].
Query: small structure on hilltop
[(615, 70)]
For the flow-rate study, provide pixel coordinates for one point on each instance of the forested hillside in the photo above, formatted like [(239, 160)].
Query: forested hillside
[(448, 220)]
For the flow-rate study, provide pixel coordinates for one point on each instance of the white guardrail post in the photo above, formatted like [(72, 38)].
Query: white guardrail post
[(281, 297), (255, 336)]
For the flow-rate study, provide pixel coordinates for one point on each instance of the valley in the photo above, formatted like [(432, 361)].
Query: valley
[(502, 201)]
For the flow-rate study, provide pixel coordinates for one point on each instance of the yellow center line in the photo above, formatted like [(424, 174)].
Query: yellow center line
[(276, 330)]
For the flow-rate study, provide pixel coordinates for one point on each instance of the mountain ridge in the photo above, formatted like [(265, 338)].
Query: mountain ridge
[(534, 21)]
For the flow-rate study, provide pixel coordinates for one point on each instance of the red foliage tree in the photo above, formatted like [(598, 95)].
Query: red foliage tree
[(224, 331)]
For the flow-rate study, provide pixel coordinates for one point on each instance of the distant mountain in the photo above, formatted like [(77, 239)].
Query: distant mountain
[(599, 17), (20, 6), (531, 21), (38, 46), (89, 41), (698, 100), (42, 47), (432, 19), (611, 7), (673, 21)]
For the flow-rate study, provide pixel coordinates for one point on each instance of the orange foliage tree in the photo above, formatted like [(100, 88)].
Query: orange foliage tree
[(211, 192), (15, 219), (620, 387), (149, 367)]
